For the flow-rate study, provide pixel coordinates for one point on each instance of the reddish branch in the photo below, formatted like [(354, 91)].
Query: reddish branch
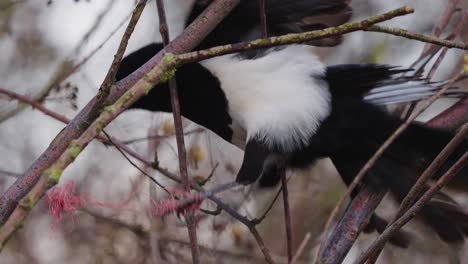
[(453, 117), (351, 224), (9, 173), (109, 80), (179, 130), (443, 23), (34, 104)]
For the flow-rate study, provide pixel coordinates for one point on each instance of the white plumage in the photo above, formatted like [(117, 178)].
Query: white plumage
[(275, 97)]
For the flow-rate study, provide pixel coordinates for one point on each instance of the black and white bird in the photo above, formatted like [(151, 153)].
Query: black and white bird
[(287, 109)]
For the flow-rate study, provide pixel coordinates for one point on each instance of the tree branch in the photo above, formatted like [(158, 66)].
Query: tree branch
[(453, 117), (350, 226)]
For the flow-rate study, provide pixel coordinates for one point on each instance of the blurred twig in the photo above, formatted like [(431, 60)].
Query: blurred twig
[(9, 173), (65, 68), (287, 215), (160, 137), (106, 85), (453, 117), (301, 248), (443, 22), (458, 30)]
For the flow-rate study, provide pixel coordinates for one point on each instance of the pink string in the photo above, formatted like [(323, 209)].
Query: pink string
[(63, 202), (171, 205)]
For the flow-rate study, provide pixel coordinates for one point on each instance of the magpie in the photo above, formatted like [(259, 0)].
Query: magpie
[(286, 109)]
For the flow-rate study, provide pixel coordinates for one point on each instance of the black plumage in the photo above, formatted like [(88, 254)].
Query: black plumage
[(201, 100)]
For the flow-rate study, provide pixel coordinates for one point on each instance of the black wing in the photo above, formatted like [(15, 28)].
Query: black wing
[(283, 16), (358, 79), (201, 98)]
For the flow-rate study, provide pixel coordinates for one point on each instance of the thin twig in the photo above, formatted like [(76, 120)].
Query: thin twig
[(227, 253), (9, 173), (64, 70), (263, 19), (284, 183), (106, 85), (420, 37), (443, 23), (301, 248), (163, 28), (109, 140), (258, 220), (134, 165), (456, 32), (160, 137), (287, 215), (179, 130), (34, 104), (210, 176)]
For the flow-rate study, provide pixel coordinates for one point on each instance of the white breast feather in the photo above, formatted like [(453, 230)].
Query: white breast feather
[(275, 98)]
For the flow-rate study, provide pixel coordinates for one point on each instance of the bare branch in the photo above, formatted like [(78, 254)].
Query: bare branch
[(106, 85), (420, 37), (453, 117)]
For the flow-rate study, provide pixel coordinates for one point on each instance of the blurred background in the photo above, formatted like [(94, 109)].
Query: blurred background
[(40, 40)]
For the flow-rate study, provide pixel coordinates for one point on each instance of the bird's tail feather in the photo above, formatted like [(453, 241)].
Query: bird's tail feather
[(408, 157), (399, 168), (404, 91)]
